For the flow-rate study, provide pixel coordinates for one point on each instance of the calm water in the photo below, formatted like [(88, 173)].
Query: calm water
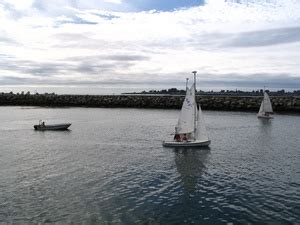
[(111, 168)]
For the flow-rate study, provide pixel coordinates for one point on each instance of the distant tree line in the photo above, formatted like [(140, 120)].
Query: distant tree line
[(27, 93), (175, 91)]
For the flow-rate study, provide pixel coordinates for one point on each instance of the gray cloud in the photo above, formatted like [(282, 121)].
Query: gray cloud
[(10, 80), (75, 20), (6, 39), (106, 16), (128, 58), (205, 81), (258, 38), (11, 11), (99, 64), (79, 41), (72, 36), (31, 67), (40, 69), (91, 68), (117, 58), (253, 80), (5, 56), (266, 37), (87, 65)]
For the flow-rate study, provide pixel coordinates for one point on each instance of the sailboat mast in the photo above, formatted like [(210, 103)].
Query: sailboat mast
[(264, 99), (195, 106), (186, 84)]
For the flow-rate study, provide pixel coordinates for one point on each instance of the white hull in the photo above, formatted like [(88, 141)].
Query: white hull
[(186, 144), (264, 117)]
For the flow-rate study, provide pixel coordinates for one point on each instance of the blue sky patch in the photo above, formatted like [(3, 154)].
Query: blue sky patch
[(162, 5)]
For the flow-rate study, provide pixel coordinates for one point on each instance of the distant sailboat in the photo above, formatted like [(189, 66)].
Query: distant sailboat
[(265, 108), (190, 130)]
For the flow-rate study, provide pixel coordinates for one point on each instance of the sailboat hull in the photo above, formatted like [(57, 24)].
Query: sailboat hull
[(264, 117), (186, 144)]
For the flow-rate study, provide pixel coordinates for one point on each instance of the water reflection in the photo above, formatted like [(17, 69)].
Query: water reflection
[(265, 130), (265, 122), (190, 164)]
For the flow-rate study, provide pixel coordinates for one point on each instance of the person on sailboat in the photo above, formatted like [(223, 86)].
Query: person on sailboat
[(184, 138), (177, 138)]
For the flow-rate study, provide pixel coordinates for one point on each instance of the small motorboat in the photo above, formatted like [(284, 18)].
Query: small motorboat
[(43, 126)]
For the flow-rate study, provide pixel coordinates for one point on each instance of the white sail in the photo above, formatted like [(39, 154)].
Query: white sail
[(201, 133), (261, 108), (267, 106), (185, 122)]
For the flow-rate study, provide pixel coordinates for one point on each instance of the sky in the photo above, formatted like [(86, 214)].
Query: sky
[(241, 44)]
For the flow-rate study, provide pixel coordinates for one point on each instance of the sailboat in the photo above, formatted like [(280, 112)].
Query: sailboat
[(190, 130), (265, 108)]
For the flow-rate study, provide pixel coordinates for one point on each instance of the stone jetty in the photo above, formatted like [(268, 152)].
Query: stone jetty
[(289, 104)]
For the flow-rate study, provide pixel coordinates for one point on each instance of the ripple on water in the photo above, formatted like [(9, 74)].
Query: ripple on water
[(250, 174)]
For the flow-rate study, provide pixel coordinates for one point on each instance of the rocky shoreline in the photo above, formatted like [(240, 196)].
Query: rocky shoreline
[(290, 104)]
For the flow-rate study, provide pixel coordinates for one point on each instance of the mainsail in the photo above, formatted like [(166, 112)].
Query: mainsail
[(266, 105), (191, 119), (185, 122)]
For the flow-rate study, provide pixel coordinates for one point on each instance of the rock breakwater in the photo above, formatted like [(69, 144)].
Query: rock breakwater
[(229, 103)]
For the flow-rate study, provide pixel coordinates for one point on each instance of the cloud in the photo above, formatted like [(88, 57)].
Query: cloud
[(18, 5), (74, 20), (90, 65), (6, 40), (107, 16), (226, 81), (128, 58), (275, 80), (249, 39), (267, 37), (87, 42)]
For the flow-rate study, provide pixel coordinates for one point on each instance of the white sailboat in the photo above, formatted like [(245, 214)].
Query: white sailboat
[(190, 130), (265, 108)]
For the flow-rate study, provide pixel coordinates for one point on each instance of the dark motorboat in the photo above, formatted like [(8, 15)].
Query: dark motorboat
[(43, 126)]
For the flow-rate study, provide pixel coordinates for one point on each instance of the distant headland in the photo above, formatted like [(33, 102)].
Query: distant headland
[(285, 102)]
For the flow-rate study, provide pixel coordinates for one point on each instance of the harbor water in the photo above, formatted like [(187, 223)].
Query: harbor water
[(111, 168)]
